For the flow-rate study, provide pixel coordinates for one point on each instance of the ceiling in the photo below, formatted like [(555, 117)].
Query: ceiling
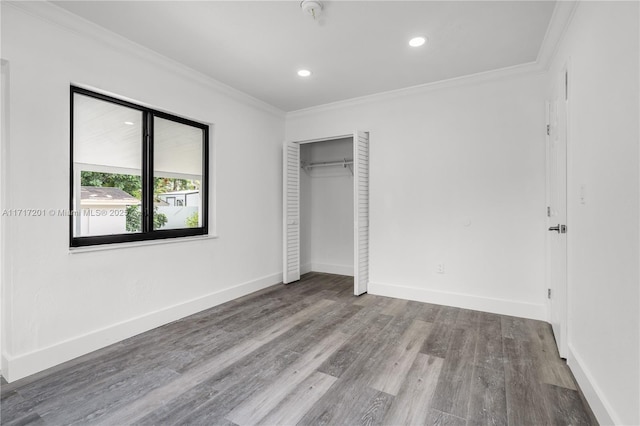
[(354, 48)]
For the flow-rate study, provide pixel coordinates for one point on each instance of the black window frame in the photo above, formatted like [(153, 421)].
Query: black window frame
[(146, 145)]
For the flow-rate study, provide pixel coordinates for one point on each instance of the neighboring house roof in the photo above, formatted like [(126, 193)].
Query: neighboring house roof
[(100, 195)]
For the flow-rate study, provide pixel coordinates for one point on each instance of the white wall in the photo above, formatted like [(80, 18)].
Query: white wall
[(327, 209), (457, 177), (604, 322), (55, 312)]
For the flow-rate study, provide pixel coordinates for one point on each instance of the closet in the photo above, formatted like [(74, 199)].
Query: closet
[(326, 208)]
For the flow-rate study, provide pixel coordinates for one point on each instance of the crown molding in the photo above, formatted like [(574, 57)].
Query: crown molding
[(52, 14), (482, 77), (560, 19)]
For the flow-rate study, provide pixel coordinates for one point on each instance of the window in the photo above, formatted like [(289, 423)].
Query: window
[(136, 173)]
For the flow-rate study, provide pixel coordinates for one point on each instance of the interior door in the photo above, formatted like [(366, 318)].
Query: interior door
[(361, 211), (291, 212), (557, 210)]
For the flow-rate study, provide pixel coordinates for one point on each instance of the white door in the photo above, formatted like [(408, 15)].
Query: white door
[(557, 210), (361, 211), (291, 212)]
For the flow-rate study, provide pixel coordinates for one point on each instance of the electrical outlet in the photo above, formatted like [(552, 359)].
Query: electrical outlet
[(440, 268)]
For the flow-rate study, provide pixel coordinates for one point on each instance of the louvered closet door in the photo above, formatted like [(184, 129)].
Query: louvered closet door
[(291, 212), (361, 211)]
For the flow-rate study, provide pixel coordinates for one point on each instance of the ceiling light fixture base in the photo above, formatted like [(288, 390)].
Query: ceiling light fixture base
[(311, 7)]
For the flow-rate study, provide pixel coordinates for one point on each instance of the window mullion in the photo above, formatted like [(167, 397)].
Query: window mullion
[(147, 174)]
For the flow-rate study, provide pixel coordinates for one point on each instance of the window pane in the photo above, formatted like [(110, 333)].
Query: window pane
[(118, 196), (177, 160), (107, 154)]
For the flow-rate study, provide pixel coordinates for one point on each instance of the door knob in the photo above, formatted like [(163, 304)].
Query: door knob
[(560, 229)]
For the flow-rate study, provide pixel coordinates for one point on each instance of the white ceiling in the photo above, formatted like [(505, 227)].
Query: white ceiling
[(355, 48)]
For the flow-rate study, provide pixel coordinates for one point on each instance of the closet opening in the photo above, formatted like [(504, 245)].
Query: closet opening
[(326, 208)]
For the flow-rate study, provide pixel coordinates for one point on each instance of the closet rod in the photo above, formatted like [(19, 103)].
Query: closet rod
[(344, 163)]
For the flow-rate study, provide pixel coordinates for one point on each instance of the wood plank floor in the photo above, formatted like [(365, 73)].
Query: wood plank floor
[(311, 353)]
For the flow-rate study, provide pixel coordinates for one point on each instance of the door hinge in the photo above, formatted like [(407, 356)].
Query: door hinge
[(548, 130), (548, 211), (548, 293)]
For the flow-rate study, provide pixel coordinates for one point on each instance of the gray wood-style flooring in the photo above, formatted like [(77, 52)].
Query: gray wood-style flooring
[(311, 353)]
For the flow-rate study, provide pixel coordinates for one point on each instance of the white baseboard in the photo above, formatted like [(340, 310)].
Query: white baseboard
[(332, 269), (20, 366), (461, 300), (595, 397), (305, 269), (4, 361)]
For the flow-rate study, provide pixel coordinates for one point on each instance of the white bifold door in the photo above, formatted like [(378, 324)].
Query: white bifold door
[(291, 210), (361, 212)]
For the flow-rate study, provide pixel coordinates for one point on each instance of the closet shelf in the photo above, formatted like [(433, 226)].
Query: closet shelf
[(344, 163)]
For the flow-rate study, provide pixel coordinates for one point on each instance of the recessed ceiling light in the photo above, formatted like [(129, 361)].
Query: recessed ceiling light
[(129, 123), (417, 41), (304, 73)]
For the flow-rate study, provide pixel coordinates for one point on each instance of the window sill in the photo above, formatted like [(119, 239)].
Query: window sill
[(119, 246)]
